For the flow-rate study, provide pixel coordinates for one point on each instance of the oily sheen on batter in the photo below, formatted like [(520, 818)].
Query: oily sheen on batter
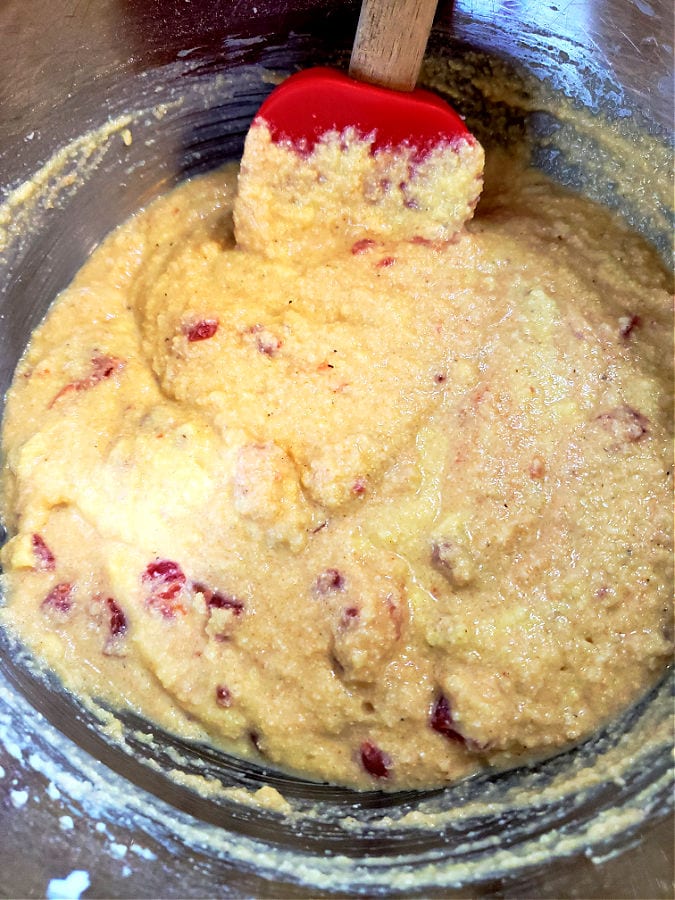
[(376, 507)]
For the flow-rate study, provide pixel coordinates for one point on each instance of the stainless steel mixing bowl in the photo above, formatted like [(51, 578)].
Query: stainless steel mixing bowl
[(170, 86)]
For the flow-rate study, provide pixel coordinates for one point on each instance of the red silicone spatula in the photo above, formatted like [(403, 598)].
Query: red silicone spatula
[(378, 97), (334, 159)]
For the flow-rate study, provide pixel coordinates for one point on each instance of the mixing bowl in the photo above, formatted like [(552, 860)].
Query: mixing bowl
[(102, 107)]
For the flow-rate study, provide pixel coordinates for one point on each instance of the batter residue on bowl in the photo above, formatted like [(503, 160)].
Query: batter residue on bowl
[(378, 510)]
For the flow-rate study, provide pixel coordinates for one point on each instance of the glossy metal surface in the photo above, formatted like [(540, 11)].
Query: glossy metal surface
[(68, 799)]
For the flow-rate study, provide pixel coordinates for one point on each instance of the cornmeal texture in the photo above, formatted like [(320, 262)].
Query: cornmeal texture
[(378, 506)]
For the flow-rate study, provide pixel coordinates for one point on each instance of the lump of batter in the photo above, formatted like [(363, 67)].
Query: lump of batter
[(348, 191), (378, 510)]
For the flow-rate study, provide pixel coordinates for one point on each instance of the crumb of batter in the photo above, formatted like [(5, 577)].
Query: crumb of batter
[(382, 512)]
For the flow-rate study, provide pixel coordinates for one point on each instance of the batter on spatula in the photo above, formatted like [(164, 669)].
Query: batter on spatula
[(376, 507), (350, 194)]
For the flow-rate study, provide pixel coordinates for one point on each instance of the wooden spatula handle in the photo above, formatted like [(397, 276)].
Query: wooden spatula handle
[(390, 41)]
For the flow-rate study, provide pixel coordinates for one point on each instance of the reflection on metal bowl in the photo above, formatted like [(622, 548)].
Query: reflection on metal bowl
[(140, 818)]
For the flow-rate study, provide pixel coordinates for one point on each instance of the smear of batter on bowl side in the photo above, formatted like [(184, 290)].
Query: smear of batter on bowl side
[(379, 511)]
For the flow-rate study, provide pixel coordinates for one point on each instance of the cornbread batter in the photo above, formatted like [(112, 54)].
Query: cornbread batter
[(380, 509)]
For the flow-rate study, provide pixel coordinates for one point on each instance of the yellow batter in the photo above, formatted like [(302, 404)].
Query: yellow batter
[(380, 509)]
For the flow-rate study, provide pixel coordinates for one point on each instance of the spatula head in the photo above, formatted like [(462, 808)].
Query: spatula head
[(316, 101)]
